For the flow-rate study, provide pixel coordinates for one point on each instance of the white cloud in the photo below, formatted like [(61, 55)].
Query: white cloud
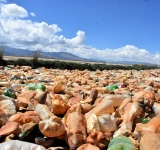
[(26, 34), (13, 10), (79, 39), (32, 14)]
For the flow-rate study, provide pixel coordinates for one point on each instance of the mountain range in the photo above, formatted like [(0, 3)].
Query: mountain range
[(9, 51)]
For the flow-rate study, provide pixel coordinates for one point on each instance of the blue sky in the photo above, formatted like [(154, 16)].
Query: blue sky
[(107, 29)]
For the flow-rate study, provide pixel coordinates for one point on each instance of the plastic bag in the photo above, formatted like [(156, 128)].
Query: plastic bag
[(20, 145), (7, 68), (107, 123), (9, 92), (144, 120), (112, 87), (121, 143), (35, 86)]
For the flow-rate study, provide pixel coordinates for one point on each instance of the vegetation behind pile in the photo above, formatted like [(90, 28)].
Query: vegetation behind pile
[(71, 65)]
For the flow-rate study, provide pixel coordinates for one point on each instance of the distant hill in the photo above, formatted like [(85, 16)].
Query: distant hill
[(55, 55), (131, 63), (64, 56)]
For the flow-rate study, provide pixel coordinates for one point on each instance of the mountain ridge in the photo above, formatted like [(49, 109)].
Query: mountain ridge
[(54, 55), (9, 51)]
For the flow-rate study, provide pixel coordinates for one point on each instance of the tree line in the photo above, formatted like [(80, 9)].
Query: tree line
[(54, 64)]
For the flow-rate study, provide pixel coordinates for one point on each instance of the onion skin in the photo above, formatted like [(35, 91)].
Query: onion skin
[(50, 125), (150, 141), (105, 106), (152, 126), (10, 128), (88, 146), (75, 124), (26, 117)]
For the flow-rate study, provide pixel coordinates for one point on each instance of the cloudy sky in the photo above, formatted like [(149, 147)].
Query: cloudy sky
[(120, 30)]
